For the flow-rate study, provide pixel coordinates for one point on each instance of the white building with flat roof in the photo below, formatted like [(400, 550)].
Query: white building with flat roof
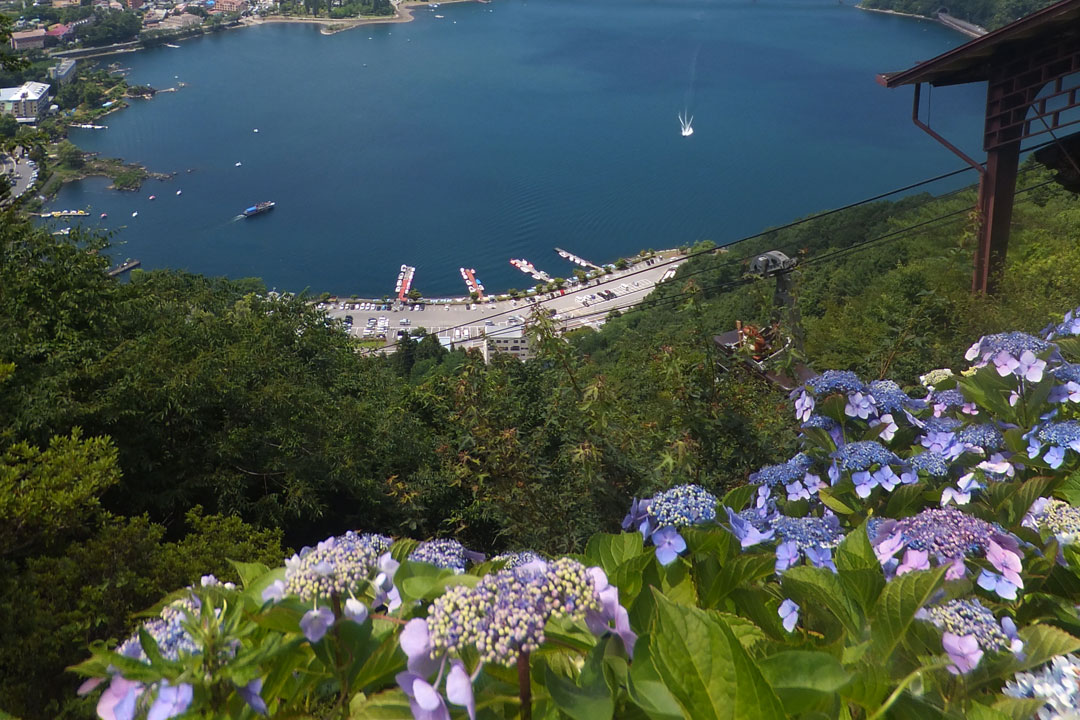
[(24, 102), (510, 340)]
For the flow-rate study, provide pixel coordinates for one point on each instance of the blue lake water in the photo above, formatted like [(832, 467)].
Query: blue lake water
[(505, 129)]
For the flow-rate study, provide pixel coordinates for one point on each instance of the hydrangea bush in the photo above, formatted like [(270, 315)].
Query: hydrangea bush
[(917, 558)]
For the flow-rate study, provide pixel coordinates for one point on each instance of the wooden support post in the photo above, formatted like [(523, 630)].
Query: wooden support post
[(996, 193)]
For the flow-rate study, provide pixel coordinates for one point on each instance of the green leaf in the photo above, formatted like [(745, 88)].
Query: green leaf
[(593, 702), (833, 503), (977, 711), (896, 608), (904, 500), (715, 584), (747, 632), (609, 551), (1027, 494), (1041, 643), (403, 548), (249, 572), (629, 576), (737, 498), (381, 665), (859, 569), (821, 588), (646, 689), (1018, 708), (804, 680), (387, 705), (705, 667)]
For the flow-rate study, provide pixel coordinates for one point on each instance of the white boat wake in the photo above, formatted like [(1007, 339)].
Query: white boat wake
[(687, 124)]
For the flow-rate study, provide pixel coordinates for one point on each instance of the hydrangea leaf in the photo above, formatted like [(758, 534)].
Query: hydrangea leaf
[(978, 711), (646, 689), (905, 500), (403, 548), (1018, 708), (608, 550), (869, 685), (830, 501), (804, 680), (712, 541), (859, 569), (628, 577), (1041, 643), (580, 703), (896, 608), (379, 666), (738, 498), (387, 705), (1026, 494), (747, 632), (249, 572), (717, 580), (820, 589), (705, 667), (1069, 490)]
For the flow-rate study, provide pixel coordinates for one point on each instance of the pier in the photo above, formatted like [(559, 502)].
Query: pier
[(124, 267), (65, 213), (577, 260), (469, 276), (404, 281), (529, 269)]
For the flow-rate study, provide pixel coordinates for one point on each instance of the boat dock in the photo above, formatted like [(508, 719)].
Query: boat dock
[(124, 267), (65, 213), (404, 281), (469, 276), (577, 260), (529, 269)]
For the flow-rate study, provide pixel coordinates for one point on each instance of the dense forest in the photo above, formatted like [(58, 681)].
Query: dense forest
[(151, 430), (991, 14)]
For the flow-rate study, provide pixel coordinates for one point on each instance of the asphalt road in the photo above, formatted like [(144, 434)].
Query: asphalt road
[(450, 321), (23, 168)]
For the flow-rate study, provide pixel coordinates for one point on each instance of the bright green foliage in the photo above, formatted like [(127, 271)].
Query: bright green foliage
[(991, 14)]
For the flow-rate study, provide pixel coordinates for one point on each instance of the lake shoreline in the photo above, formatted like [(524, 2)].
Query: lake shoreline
[(330, 26), (952, 26)]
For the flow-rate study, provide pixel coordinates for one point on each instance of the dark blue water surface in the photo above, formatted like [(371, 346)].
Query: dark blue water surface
[(505, 129)]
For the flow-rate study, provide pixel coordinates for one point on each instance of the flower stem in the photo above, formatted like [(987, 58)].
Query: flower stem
[(524, 686)]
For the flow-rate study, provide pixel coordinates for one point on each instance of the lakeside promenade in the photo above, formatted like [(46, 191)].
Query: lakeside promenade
[(449, 318)]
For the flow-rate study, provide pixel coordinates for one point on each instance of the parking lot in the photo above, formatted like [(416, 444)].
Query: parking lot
[(466, 323)]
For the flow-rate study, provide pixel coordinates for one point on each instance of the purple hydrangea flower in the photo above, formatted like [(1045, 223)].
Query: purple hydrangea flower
[(316, 622), (789, 614), (669, 543)]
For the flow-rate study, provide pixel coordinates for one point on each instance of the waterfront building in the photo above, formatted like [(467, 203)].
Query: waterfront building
[(231, 6), (24, 102), (63, 72), (28, 39), (511, 341), (59, 33)]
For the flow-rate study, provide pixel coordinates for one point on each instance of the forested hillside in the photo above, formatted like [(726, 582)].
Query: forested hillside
[(991, 14), (124, 405)]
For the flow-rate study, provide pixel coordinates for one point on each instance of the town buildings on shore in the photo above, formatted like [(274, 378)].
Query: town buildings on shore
[(25, 102)]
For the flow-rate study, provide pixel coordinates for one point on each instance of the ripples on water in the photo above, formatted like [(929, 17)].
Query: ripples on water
[(542, 123)]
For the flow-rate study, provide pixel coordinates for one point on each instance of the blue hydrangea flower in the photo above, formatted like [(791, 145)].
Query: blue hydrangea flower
[(984, 438), (789, 614), (822, 422), (889, 398), (1059, 436), (1057, 684), (681, 506), (445, 553), (505, 613), (1057, 517), (863, 455), (932, 463), (336, 566), (974, 630), (948, 536), (784, 473), (832, 381), (1070, 325), (1011, 343), (518, 558)]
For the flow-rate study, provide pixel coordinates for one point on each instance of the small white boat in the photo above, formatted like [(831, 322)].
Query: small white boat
[(238, 164), (687, 124), (179, 192), (135, 214), (255, 130), (170, 45), (153, 197)]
